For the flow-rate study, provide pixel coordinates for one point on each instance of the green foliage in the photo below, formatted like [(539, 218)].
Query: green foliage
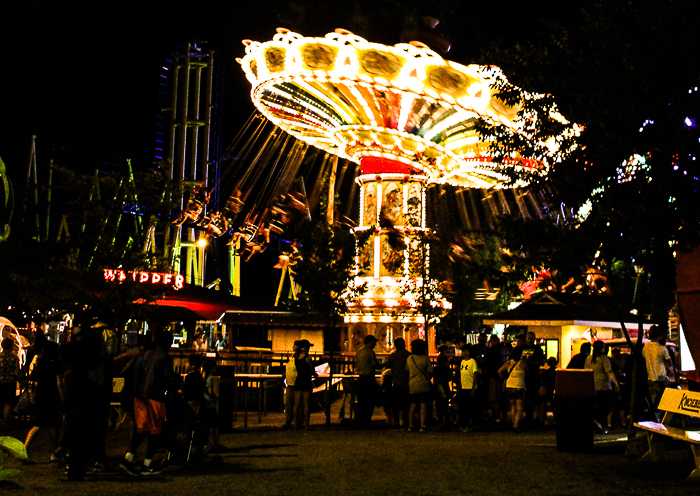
[(325, 269), (541, 242), (608, 65), (10, 446), (465, 264)]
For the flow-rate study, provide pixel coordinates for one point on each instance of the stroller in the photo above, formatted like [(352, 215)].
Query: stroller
[(187, 434)]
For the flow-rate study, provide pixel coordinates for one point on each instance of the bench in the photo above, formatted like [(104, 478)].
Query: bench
[(674, 401)]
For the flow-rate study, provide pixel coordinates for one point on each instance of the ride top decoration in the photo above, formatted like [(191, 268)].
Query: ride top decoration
[(409, 118)]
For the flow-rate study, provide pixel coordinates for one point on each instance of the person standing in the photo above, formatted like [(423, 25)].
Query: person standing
[(419, 370), (478, 352), (365, 367), (149, 405), (48, 377), (193, 384), (303, 386), (514, 372), (399, 400), (290, 377), (578, 361), (606, 384), (442, 377), (534, 356), (469, 378), (210, 414), (658, 365), (9, 375), (80, 408), (493, 361)]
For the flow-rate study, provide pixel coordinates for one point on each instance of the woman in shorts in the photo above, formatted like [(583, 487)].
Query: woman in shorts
[(514, 373)]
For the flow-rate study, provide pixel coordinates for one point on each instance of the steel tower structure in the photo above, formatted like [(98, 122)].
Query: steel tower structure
[(184, 143)]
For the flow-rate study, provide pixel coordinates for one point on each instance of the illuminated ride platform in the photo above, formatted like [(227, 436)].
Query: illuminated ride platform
[(409, 118)]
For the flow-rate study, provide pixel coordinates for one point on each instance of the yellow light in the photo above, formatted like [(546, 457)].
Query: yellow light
[(202, 242)]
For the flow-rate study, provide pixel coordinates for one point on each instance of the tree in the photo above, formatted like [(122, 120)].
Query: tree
[(606, 64), (628, 73), (325, 269)]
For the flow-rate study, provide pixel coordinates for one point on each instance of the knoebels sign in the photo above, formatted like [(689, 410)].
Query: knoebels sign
[(117, 275), (681, 401)]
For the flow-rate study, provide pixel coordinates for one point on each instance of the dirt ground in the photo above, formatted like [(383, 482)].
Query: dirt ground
[(339, 460)]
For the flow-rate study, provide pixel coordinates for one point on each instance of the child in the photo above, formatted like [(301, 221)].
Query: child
[(193, 386)]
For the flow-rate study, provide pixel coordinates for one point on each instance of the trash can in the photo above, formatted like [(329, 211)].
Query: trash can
[(574, 394)]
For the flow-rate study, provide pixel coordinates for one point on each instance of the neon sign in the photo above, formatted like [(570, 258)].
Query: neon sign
[(143, 277)]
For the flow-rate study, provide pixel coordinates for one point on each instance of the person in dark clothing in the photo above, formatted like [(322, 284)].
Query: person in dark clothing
[(534, 356), (578, 361), (48, 377), (548, 376), (81, 409), (493, 361), (193, 385), (303, 384), (366, 366), (210, 415), (442, 376), (399, 397)]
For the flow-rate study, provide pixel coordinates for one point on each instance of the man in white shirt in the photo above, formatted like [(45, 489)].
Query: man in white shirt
[(658, 364)]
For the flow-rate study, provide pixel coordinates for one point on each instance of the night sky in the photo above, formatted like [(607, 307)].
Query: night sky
[(84, 79)]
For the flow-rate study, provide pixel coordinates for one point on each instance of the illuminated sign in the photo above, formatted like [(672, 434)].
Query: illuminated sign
[(143, 277)]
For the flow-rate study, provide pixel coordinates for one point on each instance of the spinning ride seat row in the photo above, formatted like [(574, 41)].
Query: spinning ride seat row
[(409, 118)]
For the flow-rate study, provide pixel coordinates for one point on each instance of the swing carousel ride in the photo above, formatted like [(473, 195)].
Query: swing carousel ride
[(407, 118)]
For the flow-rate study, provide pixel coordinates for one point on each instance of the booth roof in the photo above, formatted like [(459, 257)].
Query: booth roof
[(202, 304), (272, 319), (547, 308)]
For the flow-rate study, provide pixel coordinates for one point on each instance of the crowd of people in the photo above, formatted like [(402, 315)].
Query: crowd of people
[(487, 383), (69, 389)]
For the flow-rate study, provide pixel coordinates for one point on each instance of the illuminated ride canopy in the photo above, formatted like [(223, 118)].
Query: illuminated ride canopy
[(356, 99), (408, 117)]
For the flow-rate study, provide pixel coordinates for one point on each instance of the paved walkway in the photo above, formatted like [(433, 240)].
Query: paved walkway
[(337, 460)]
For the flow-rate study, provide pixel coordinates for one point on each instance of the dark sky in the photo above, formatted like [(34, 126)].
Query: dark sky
[(84, 79)]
